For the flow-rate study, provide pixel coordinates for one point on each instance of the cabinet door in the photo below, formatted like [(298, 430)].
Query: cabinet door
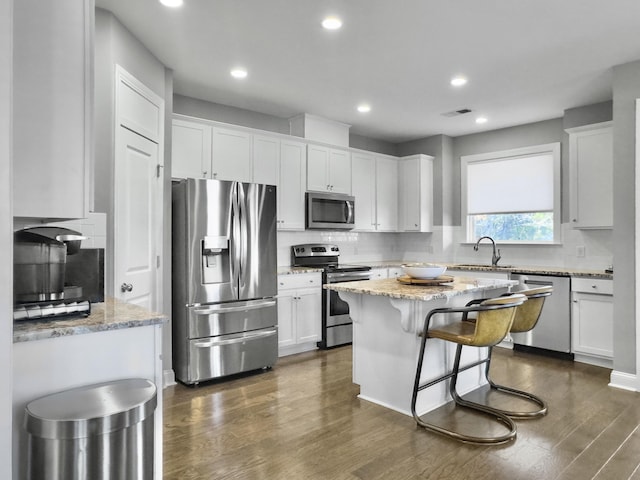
[(592, 324), (52, 108), (386, 195), (318, 168), (363, 168), (266, 159), (308, 312), (339, 171), (231, 155), (286, 319), (190, 150), (409, 176), (291, 186), (591, 162)]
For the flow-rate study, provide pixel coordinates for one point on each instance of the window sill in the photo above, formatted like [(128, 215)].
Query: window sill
[(500, 243)]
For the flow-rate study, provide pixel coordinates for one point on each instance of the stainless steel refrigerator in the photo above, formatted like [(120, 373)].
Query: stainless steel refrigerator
[(224, 278)]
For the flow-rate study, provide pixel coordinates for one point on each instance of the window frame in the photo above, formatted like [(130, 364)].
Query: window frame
[(554, 149)]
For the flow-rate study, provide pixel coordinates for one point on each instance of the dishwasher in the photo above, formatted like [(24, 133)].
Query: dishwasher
[(552, 334)]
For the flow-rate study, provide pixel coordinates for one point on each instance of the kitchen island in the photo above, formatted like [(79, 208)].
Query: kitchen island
[(387, 316), (116, 341)]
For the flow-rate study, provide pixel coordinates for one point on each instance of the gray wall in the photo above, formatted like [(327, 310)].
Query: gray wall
[(226, 114), (626, 88), (372, 144), (6, 237)]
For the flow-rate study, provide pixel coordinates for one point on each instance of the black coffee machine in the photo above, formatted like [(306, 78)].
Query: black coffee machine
[(39, 264)]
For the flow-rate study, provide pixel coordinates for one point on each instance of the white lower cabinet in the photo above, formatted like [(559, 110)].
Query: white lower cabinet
[(299, 312), (592, 321)]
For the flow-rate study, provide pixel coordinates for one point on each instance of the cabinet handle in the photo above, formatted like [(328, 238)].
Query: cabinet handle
[(594, 286), (126, 287), (575, 301), (215, 175), (415, 224), (204, 174), (574, 219)]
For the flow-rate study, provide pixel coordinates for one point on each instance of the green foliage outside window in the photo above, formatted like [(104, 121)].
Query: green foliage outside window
[(533, 226)]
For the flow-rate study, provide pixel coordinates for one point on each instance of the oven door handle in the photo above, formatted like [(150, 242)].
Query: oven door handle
[(355, 275)]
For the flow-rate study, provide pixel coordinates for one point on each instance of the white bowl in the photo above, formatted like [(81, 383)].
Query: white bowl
[(423, 270)]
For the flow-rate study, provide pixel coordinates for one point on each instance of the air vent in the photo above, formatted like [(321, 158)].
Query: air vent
[(455, 113)]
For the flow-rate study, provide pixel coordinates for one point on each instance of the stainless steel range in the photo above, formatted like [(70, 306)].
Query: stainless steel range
[(337, 327)]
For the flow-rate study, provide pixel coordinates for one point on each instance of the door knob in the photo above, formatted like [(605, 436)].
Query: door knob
[(126, 287)]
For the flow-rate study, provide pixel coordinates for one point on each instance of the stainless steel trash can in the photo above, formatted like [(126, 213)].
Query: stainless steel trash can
[(96, 432)]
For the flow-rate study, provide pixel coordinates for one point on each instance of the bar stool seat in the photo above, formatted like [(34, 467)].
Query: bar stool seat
[(525, 319), (492, 323)]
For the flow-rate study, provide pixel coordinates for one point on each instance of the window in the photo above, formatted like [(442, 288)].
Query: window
[(513, 195)]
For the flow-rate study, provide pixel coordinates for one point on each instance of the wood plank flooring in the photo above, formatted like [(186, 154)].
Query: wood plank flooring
[(302, 420)]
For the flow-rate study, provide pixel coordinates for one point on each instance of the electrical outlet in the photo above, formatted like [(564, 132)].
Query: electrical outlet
[(580, 250)]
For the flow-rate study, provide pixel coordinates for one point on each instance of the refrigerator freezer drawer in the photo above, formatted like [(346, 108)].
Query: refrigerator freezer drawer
[(229, 354), (226, 318)]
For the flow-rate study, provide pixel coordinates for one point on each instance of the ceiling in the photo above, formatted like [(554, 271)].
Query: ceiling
[(526, 60)]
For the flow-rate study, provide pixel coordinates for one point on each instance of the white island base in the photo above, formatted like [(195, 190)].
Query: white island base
[(386, 321)]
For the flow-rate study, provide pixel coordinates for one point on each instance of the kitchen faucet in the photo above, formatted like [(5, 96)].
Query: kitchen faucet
[(496, 254)]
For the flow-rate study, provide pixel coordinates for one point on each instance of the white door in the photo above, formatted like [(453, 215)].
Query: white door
[(138, 197), (136, 218)]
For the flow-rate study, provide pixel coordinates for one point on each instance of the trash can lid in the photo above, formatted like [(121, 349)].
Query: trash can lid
[(92, 409)]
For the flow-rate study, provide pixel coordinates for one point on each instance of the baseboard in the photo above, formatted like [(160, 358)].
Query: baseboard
[(295, 349), (168, 378), (624, 381)]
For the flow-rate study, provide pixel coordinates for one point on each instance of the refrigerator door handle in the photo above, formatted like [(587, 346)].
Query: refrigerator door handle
[(234, 307), (235, 228), (236, 339), (243, 211)]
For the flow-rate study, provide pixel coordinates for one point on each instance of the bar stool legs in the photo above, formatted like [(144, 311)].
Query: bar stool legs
[(495, 317)]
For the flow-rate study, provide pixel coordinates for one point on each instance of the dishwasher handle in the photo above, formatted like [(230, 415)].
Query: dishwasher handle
[(538, 282)]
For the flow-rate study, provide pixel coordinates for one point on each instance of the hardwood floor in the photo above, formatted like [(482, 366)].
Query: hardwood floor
[(302, 420)]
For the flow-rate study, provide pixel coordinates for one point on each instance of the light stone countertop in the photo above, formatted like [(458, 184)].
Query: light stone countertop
[(110, 315), (530, 269), (390, 287), (296, 270)]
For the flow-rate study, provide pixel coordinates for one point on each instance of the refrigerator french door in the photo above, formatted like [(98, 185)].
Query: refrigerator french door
[(224, 278)]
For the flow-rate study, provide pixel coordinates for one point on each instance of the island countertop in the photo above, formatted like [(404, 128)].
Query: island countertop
[(110, 315), (391, 287)]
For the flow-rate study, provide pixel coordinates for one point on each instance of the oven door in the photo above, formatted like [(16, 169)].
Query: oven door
[(337, 310)]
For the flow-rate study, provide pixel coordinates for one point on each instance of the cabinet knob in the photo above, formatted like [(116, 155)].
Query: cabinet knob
[(204, 174), (575, 301), (594, 286), (415, 224), (126, 287), (574, 219), (215, 175)]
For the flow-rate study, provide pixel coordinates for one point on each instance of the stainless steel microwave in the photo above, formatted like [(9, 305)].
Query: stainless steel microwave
[(330, 211)]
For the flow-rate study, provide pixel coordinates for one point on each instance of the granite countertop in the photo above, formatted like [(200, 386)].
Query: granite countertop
[(390, 287), (530, 269), (110, 315), (295, 270)]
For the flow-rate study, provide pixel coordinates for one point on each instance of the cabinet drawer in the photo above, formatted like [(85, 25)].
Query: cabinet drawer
[(299, 280), (592, 285)]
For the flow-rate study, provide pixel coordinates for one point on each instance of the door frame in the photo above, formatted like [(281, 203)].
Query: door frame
[(153, 131)]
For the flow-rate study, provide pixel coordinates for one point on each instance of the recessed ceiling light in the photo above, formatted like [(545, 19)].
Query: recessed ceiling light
[(171, 3), (481, 120), (364, 108), (239, 73), (332, 23), (458, 81)]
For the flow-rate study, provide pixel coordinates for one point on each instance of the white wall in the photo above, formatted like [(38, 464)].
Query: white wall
[(6, 237)]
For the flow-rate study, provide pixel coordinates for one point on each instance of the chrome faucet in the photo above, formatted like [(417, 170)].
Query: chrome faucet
[(496, 253)]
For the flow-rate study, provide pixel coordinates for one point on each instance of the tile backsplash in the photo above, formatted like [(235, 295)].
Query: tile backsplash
[(588, 249)]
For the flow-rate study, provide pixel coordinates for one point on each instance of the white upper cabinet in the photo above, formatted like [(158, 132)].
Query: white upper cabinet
[(375, 188), (52, 108), (231, 155), (266, 159), (328, 169), (386, 194), (292, 176), (591, 175), (190, 150), (416, 193)]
